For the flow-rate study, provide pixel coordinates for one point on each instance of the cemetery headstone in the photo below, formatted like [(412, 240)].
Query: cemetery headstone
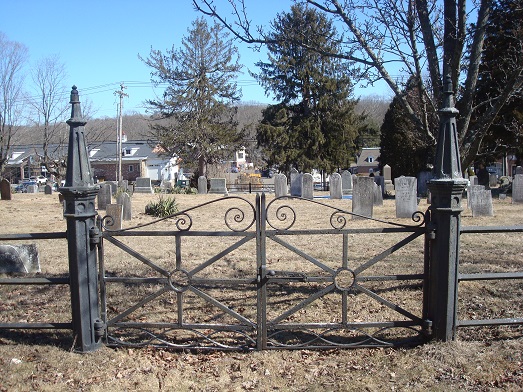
[(346, 182), (363, 196), (481, 203), (307, 190), (406, 196), (387, 180), (423, 178), (48, 190), (519, 170), (19, 259), (5, 190), (473, 180), (32, 189), (470, 193), (493, 180), (104, 196), (202, 185), (296, 183), (280, 185), (125, 201), (123, 184), (218, 185), (115, 212), (335, 186), (517, 189), (114, 186), (378, 195), (143, 185)]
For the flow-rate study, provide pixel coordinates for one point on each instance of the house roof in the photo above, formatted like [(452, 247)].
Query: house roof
[(134, 150), (369, 157)]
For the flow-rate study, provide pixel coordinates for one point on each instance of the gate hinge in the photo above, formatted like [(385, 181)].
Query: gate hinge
[(431, 231), (99, 329), (94, 235)]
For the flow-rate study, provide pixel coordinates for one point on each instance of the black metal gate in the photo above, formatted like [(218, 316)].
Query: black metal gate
[(262, 280)]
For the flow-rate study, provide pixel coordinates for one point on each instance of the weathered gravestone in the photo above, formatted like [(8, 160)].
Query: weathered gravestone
[(481, 203), (378, 195), (124, 185), (493, 180), (363, 196), (104, 196), (387, 180), (470, 193), (5, 190), (115, 212), (48, 190), (346, 182), (218, 185), (114, 186), (517, 189), (280, 185), (335, 186), (143, 185), (473, 180), (202, 185), (19, 258), (125, 201), (32, 189), (406, 196), (423, 178), (519, 170), (296, 183), (307, 187)]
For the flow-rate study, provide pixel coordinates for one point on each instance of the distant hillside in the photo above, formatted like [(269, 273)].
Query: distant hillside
[(136, 126)]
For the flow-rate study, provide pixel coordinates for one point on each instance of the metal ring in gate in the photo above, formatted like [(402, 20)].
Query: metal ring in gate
[(344, 279), (179, 280)]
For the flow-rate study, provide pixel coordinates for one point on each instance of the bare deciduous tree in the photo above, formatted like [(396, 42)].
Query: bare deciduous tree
[(13, 57), (421, 39)]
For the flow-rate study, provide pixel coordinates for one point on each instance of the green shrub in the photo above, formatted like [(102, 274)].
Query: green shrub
[(162, 207)]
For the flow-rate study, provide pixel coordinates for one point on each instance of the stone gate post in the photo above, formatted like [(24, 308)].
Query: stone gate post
[(446, 189), (79, 194)]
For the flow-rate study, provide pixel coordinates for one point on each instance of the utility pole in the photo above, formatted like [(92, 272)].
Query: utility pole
[(121, 94)]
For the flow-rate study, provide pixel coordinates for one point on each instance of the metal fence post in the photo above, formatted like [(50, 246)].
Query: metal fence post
[(446, 190), (82, 235)]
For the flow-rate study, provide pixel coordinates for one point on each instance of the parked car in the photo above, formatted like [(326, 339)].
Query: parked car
[(40, 180), (22, 187)]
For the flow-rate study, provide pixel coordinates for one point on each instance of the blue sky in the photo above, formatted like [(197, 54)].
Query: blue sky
[(99, 42)]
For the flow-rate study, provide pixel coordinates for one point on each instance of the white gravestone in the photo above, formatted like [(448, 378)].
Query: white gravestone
[(346, 182), (481, 203), (143, 185), (406, 196), (307, 187), (517, 189), (280, 185), (335, 186), (218, 185)]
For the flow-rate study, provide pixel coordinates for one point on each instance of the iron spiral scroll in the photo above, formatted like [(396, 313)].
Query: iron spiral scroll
[(285, 216), (239, 218)]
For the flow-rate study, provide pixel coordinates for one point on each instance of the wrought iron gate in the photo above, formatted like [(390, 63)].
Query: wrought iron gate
[(257, 283)]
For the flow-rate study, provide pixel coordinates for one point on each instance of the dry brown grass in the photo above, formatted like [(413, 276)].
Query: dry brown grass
[(481, 358)]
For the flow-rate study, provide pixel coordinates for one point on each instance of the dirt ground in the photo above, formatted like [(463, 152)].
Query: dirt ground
[(481, 359)]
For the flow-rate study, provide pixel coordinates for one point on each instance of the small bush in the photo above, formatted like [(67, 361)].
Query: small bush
[(162, 208)]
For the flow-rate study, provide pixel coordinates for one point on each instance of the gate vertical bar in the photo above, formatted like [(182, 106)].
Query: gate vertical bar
[(446, 189), (82, 235), (261, 315)]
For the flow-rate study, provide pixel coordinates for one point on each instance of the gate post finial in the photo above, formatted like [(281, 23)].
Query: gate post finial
[(446, 190), (79, 197)]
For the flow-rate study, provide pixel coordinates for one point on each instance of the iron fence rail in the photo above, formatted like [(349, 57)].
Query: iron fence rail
[(31, 281), (487, 276)]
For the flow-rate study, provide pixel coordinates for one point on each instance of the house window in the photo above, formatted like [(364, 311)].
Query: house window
[(131, 168), (370, 159), (240, 155)]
